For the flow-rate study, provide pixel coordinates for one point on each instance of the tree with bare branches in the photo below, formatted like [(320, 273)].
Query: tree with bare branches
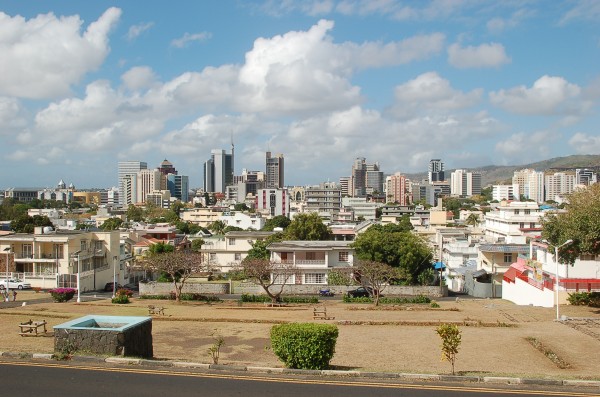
[(271, 276), (178, 265), (375, 275)]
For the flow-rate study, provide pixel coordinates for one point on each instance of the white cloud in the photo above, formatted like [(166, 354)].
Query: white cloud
[(482, 56), (585, 144), (136, 30), (11, 115), (531, 145), (190, 37), (498, 25), (139, 77), (583, 10), (42, 57), (429, 92), (549, 95)]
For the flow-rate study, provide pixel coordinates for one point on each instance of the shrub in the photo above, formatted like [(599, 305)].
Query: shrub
[(451, 338), (187, 296), (389, 301), (122, 296), (62, 294), (304, 345), (591, 299), (285, 299)]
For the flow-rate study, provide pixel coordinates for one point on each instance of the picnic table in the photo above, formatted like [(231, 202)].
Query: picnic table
[(30, 328)]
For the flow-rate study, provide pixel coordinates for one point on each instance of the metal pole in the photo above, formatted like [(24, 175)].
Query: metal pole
[(78, 278), (7, 278), (556, 248), (114, 276)]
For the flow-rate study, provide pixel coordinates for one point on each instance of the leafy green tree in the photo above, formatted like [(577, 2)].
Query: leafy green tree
[(451, 338), (232, 229), (135, 213), (27, 224), (241, 207), (258, 251), (197, 244), (177, 207), (217, 227), (275, 222), (160, 248), (472, 219), (307, 227), (404, 250), (581, 223), (112, 224)]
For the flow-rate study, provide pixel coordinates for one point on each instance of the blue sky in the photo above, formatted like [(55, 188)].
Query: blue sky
[(85, 84)]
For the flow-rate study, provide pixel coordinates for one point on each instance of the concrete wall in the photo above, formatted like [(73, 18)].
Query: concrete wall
[(481, 290), (155, 288)]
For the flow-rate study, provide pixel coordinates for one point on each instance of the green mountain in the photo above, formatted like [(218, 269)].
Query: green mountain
[(496, 174)]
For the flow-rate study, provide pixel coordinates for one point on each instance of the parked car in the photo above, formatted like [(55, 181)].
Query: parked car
[(132, 286), (14, 284), (361, 292), (109, 286)]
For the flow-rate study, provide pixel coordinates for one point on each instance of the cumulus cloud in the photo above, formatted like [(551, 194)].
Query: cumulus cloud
[(498, 25), (533, 145), (549, 95), (43, 56), (430, 92), (188, 38), (483, 56), (585, 143), (136, 30), (139, 77), (12, 115)]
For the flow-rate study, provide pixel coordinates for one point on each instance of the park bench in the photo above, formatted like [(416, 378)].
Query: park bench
[(32, 327), (321, 314), (156, 310)]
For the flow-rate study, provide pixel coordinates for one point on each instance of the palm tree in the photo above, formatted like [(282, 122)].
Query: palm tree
[(472, 220)]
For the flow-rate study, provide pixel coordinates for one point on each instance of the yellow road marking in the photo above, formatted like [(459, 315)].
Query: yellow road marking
[(301, 381)]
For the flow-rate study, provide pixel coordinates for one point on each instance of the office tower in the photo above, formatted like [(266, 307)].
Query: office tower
[(128, 168), (358, 177), (274, 171), (374, 179), (398, 189), (148, 181), (345, 185), (531, 184), (585, 177), (178, 186), (465, 183), (436, 171), (166, 168), (558, 184), (218, 171), (129, 188)]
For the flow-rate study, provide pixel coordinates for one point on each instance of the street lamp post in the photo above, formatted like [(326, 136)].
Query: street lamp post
[(78, 253), (556, 260), (114, 276), (7, 250)]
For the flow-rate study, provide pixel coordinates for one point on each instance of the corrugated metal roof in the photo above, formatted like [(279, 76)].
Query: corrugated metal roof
[(519, 248)]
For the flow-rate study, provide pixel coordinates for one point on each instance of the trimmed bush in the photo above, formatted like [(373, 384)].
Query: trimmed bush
[(591, 299), (62, 294), (304, 345), (122, 296), (389, 301), (284, 299)]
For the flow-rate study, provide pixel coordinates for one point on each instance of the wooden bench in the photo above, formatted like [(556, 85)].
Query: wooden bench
[(274, 304), (321, 314), (32, 327), (156, 310)]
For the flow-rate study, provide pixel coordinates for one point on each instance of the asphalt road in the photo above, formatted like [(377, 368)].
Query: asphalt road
[(19, 378)]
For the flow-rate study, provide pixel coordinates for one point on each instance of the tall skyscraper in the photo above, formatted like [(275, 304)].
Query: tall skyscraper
[(531, 184), (398, 189), (465, 183), (374, 179), (559, 183), (128, 168), (178, 186), (148, 181), (218, 171), (358, 178), (274, 171), (436, 171)]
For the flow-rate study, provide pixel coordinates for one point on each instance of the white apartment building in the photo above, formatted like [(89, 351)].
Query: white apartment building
[(512, 222), (202, 216), (465, 183), (558, 184), (148, 181), (531, 184), (224, 253), (243, 220), (273, 202), (361, 207), (505, 192)]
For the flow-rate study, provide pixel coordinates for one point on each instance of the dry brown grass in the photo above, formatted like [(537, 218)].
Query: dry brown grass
[(402, 341)]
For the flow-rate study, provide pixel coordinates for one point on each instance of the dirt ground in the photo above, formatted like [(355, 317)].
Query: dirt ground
[(389, 339)]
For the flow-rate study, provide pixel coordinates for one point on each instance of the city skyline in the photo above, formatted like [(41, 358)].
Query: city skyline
[(85, 86)]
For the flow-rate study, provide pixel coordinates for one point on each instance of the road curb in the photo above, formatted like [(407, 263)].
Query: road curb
[(304, 372)]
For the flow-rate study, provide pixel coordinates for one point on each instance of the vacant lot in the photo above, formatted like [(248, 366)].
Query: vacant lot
[(388, 339)]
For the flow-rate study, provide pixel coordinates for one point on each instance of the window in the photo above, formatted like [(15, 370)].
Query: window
[(527, 212), (532, 225), (517, 212), (231, 241), (343, 256), (238, 256), (522, 225), (213, 256), (311, 256), (508, 257), (58, 251), (314, 278), (27, 251), (283, 279)]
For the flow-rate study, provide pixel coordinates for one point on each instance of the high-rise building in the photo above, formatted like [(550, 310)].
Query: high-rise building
[(358, 178), (465, 183), (436, 171), (585, 176), (274, 171), (531, 184), (273, 202), (345, 185), (374, 179), (398, 189), (128, 168), (178, 186), (166, 168), (218, 171), (558, 184), (326, 197), (148, 181)]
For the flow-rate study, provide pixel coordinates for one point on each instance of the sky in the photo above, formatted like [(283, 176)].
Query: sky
[(86, 84)]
